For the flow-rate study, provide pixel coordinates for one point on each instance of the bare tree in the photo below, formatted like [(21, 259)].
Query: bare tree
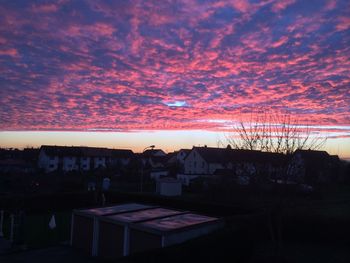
[(279, 133)]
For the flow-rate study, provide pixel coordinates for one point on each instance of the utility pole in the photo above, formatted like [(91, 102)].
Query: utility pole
[(141, 183), (2, 223)]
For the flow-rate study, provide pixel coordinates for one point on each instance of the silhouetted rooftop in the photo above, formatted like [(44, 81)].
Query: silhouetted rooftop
[(85, 151), (225, 155)]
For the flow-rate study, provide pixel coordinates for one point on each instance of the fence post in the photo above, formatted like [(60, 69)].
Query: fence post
[(12, 217), (1, 223)]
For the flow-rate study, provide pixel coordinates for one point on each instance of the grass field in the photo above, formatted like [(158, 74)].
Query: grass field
[(314, 229), (36, 232)]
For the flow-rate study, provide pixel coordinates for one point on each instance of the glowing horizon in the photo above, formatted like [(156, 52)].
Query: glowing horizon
[(169, 141)]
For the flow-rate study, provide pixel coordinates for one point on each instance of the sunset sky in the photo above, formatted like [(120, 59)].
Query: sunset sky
[(171, 73)]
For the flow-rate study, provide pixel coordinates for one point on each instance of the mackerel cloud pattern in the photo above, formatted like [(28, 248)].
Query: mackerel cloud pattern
[(158, 65)]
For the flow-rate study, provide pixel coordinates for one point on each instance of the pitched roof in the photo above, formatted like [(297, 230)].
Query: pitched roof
[(213, 155), (152, 152), (225, 155), (312, 153), (61, 150), (171, 156), (187, 151), (312, 157), (95, 152), (158, 159), (85, 151), (120, 153)]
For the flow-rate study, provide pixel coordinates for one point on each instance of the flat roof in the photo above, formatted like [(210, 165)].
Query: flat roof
[(177, 222), (143, 215), (100, 211)]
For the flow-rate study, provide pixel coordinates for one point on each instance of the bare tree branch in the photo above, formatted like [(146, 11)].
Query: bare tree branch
[(280, 133)]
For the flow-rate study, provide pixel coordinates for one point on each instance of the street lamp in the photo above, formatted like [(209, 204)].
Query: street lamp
[(151, 146), (141, 183)]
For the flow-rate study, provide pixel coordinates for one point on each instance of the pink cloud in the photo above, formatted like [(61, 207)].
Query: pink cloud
[(331, 4), (343, 23), (94, 31), (9, 52), (280, 42), (281, 5), (241, 5), (45, 8), (117, 69)]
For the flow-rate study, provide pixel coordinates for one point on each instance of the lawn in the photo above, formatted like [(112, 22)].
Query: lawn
[(36, 230)]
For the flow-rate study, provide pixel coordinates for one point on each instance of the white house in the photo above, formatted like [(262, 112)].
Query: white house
[(52, 158), (312, 167), (63, 158), (205, 160), (120, 157), (182, 154), (70, 163), (178, 157)]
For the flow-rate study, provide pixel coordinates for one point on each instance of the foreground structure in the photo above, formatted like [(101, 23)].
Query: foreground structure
[(112, 232)]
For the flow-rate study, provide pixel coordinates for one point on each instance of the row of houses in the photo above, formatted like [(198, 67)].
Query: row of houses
[(303, 166), (66, 159), (187, 164)]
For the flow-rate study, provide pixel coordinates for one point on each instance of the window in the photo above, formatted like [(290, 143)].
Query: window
[(52, 166), (52, 158)]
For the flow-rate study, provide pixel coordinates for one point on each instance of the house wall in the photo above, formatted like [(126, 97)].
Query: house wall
[(296, 169), (48, 163), (159, 153), (85, 163), (75, 163), (99, 162), (214, 166), (119, 161), (245, 169), (155, 164), (180, 157), (70, 163), (124, 161), (195, 164)]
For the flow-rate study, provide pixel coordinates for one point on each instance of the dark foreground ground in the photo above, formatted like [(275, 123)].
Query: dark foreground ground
[(59, 254), (312, 229), (262, 252)]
